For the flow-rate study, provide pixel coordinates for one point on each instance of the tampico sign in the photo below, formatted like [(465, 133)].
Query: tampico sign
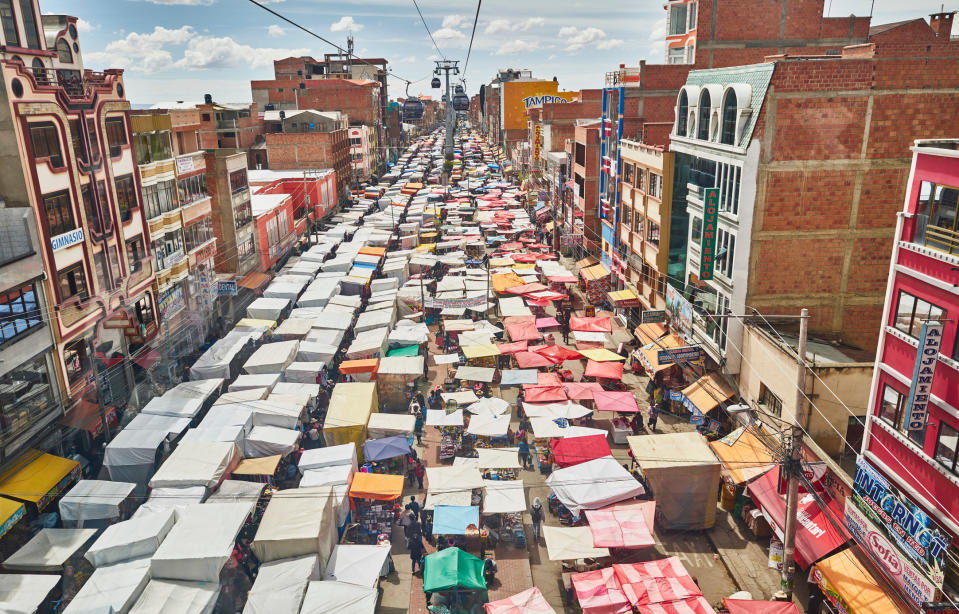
[(67, 239), (708, 246), (917, 405)]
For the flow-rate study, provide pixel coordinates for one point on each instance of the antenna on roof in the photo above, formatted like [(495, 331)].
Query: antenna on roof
[(872, 8)]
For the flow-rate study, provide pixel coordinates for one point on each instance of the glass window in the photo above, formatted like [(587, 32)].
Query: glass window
[(144, 310), (937, 217), (19, 312), (27, 395), (76, 358), (655, 185), (39, 72), (197, 234), (652, 233), (9, 21), (159, 198), (72, 282), (683, 120), (677, 19), (76, 138), (947, 446), (242, 215), (59, 212), (116, 135), (628, 173), (126, 196), (912, 311), (638, 225), (135, 253), (46, 143), (697, 229), (730, 112), (770, 401), (30, 24), (64, 55), (705, 105), (192, 188), (726, 247), (244, 249), (692, 16), (892, 410), (627, 216), (676, 55), (238, 181)]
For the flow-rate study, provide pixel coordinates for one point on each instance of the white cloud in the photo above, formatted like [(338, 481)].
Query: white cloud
[(498, 25), (275, 31), (505, 25), (576, 38), (532, 22), (448, 34), (516, 46), (612, 43), (552, 56), (346, 24), (433, 57), (453, 21), (153, 52), (411, 59), (85, 26)]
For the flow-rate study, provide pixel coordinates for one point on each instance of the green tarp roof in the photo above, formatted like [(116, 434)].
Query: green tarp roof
[(453, 568), (410, 350)]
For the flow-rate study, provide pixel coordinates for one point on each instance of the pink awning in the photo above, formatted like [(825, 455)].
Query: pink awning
[(571, 451), (546, 322), (527, 288), (532, 360), (605, 370), (543, 394), (622, 525), (591, 325), (523, 330), (749, 606), (548, 379), (581, 391), (512, 348), (530, 601), (615, 400), (657, 582), (599, 592)]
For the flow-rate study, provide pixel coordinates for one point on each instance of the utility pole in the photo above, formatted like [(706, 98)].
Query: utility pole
[(794, 463), (446, 67)]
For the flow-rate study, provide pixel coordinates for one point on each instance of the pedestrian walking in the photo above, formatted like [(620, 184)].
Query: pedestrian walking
[(418, 429), (410, 469), (565, 328), (416, 554), (524, 453), (314, 435), (414, 506), (420, 473), (653, 417), (536, 515)]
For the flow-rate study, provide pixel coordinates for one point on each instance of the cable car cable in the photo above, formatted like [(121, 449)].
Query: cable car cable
[(423, 19), (479, 3)]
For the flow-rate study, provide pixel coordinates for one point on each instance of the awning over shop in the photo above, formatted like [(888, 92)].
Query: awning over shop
[(743, 455), (39, 478), (85, 416), (649, 354), (377, 486), (648, 333), (750, 606), (586, 262), (594, 273), (604, 370), (254, 280), (623, 525), (815, 537), (10, 513), (571, 451), (707, 393), (843, 577), (624, 298)]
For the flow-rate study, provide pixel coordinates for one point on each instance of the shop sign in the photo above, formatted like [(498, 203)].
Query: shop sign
[(226, 288), (68, 479), (896, 566), (680, 312), (653, 317), (707, 250), (172, 303), (184, 165), (67, 239), (901, 521), (917, 404), (12, 520), (816, 577), (686, 353), (537, 142), (455, 303), (939, 607)]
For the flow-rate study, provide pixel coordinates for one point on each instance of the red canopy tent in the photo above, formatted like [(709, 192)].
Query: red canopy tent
[(627, 524), (615, 400), (605, 370), (532, 360), (749, 606), (522, 330), (557, 353), (657, 582), (546, 322), (591, 325), (543, 394), (548, 379), (570, 451), (527, 288), (581, 391), (512, 348), (546, 296), (815, 538)]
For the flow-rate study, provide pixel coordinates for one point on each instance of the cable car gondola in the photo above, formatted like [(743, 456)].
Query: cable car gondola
[(459, 90), (461, 102), (436, 83), (413, 109)]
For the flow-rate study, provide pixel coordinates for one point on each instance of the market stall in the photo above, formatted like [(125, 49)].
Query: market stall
[(599, 591), (359, 564), (373, 504), (350, 407), (459, 524), (270, 441), (130, 456), (50, 550), (110, 589), (177, 596), (450, 425), (744, 457), (360, 370), (396, 379), (458, 576), (529, 601), (330, 597), (197, 464), (280, 586), (595, 283), (668, 459), (387, 455), (455, 485), (570, 451), (674, 587), (25, 592), (593, 484), (623, 525), (271, 357), (200, 542), (96, 503), (505, 500), (388, 425), (297, 522), (571, 543)]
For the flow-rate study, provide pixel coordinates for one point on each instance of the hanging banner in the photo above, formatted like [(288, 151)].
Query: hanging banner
[(226, 288), (707, 250), (455, 303), (537, 142), (927, 357), (680, 312), (901, 521), (689, 353)]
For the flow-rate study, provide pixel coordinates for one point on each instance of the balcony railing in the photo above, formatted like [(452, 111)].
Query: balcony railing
[(940, 239), (73, 83)]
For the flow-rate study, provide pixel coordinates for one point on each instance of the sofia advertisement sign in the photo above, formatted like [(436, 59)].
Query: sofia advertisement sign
[(901, 522), (894, 564)]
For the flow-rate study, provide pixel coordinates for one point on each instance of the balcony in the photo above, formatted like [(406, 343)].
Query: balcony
[(72, 82), (938, 238)]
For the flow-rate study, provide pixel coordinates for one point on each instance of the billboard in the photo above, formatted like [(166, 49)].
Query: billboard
[(680, 312), (521, 96)]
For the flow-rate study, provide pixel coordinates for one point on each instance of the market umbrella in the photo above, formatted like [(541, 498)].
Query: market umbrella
[(489, 405), (388, 447), (532, 360), (615, 400), (604, 370), (452, 568), (557, 353)]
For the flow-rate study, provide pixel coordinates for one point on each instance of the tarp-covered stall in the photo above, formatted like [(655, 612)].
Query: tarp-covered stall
[(270, 440), (182, 597), (25, 593), (131, 455), (593, 484), (350, 407), (196, 464), (393, 376), (94, 502), (280, 586), (387, 425), (297, 522), (358, 564), (669, 459), (200, 542), (267, 308), (272, 357), (111, 589), (329, 597), (48, 550), (138, 537)]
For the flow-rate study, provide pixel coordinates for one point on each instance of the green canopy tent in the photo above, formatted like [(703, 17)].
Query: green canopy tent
[(452, 569), (410, 350)]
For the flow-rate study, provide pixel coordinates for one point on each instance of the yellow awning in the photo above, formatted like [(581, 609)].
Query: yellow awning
[(265, 465), (502, 281), (10, 513), (648, 333), (595, 272), (39, 478), (497, 262), (624, 298), (601, 355), (708, 392), (351, 405), (843, 575), (479, 351), (746, 458)]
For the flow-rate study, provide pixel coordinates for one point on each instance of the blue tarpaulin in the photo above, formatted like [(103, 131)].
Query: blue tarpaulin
[(453, 519), (388, 447)]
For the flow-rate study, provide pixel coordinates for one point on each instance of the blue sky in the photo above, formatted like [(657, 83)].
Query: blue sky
[(182, 49)]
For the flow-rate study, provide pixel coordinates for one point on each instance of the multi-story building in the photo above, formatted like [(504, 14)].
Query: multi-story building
[(274, 222), (68, 158), (229, 189), (313, 191), (360, 158), (585, 176), (912, 428), (228, 126), (308, 139)]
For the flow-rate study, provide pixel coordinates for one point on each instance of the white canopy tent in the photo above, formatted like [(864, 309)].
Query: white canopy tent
[(297, 521), (48, 550), (173, 426), (234, 433), (283, 413), (439, 417), (237, 491), (131, 455), (272, 357), (216, 361), (593, 484), (176, 499), (329, 597), (93, 500), (25, 593), (177, 407), (568, 410), (164, 596), (247, 382), (498, 458), (331, 456), (196, 464), (201, 389), (386, 425), (503, 496), (138, 537), (569, 543), (280, 586), (357, 564), (267, 308), (228, 415), (489, 405), (486, 425), (451, 484), (114, 588), (200, 542), (270, 440)]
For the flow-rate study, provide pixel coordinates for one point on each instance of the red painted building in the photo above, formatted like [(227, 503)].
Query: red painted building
[(923, 461), (274, 227), (313, 191)]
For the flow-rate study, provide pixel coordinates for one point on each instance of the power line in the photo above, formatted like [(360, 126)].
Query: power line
[(423, 19), (479, 3)]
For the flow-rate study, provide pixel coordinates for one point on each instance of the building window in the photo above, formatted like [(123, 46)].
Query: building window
[(655, 185), (159, 198), (126, 196), (652, 233), (638, 225), (726, 244), (27, 395), (198, 233), (30, 24), (72, 282), (64, 55), (357, 142), (702, 122), (191, 189), (692, 16), (46, 143), (730, 110), (683, 120), (628, 173), (238, 181), (116, 135), (135, 253), (59, 212), (947, 446), (892, 411), (697, 229), (677, 19), (152, 147), (937, 218), (19, 312), (92, 140), (76, 138), (76, 359), (627, 216), (9, 21), (242, 215), (244, 249), (39, 72), (770, 401), (143, 309), (912, 311), (676, 55)]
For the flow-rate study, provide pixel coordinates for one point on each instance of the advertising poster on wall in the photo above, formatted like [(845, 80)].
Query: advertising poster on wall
[(521, 96), (680, 312)]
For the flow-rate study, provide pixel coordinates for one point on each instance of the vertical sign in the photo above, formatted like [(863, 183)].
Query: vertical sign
[(917, 404), (537, 142), (708, 246)]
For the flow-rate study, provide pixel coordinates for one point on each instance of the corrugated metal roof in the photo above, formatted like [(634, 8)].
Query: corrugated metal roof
[(758, 76)]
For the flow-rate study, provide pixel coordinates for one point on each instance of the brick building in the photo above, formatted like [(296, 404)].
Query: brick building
[(810, 155), (232, 213), (309, 150), (585, 171), (228, 126)]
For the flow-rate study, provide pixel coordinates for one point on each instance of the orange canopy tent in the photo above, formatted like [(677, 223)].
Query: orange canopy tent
[(378, 486), (743, 455), (366, 365)]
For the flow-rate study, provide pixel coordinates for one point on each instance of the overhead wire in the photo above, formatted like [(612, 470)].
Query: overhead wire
[(479, 3), (425, 25)]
